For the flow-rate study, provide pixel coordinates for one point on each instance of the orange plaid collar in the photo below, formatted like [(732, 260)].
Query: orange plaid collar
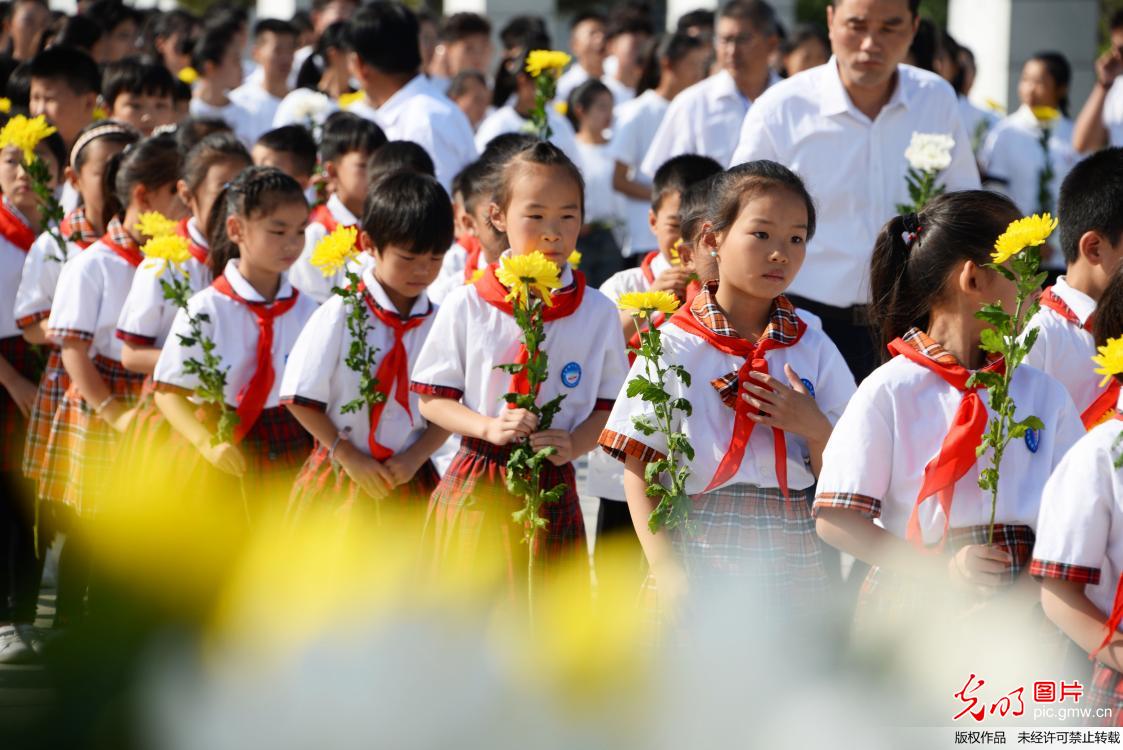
[(783, 324), (934, 350), (116, 232)]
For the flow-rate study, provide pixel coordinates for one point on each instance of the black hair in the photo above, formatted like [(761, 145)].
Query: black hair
[(695, 18), (273, 26), (181, 92), (460, 26), (582, 98), (257, 190), (410, 211), (384, 36), (630, 18), (78, 32), (907, 276), (191, 130), (493, 161), (759, 14), (18, 88), (731, 189), (1060, 71), (1091, 200), (542, 153), (215, 148), (693, 212), (923, 46), (126, 138), (470, 184), (399, 156), (1108, 320), (294, 140), (1116, 20), (67, 64), (212, 44), (153, 162), (520, 28), (587, 15), (805, 32), (174, 22), (344, 132), (312, 69), (458, 86), (914, 6), (513, 64), (952, 50), (112, 13), (132, 76), (679, 173), (301, 21), (221, 14), (670, 47)]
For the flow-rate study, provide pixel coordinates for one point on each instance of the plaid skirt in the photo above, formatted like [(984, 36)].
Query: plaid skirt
[(52, 387), (321, 484), (470, 515), (1105, 692), (27, 361), (81, 448)]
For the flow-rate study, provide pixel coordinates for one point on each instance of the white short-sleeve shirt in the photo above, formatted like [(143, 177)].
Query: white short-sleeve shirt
[(260, 105), (41, 270), (1080, 527), (853, 167), (146, 317), (306, 277), (636, 124), (12, 261), (1113, 115), (894, 426), (417, 112), (506, 120), (452, 273), (471, 336), (240, 120), (91, 290), (815, 359), (233, 328), (317, 374), (602, 203), (1064, 350)]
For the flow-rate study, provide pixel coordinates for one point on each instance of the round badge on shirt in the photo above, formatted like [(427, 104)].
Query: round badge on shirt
[(571, 375)]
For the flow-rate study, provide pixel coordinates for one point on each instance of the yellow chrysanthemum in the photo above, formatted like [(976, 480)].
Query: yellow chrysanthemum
[(676, 256), (334, 251), (1046, 115), (541, 61), (574, 259), (100, 114), (170, 248), (155, 224), (346, 100), (562, 108), (188, 75), (995, 106), (525, 275), (476, 276), (1109, 359), (642, 304), (5, 104), (1028, 232), (25, 133)]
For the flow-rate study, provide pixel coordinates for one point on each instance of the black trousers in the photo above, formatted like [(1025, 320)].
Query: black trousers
[(21, 565), (849, 329)]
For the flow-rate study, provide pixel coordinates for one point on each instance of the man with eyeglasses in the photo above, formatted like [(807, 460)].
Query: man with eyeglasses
[(705, 118), (844, 128), (1100, 122)]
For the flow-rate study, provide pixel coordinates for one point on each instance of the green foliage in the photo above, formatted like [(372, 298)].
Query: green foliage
[(922, 189), (50, 211), (360, 355), (1045, 176), (545, 89)]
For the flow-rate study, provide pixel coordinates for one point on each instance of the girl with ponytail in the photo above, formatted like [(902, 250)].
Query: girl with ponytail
[(904, 449)]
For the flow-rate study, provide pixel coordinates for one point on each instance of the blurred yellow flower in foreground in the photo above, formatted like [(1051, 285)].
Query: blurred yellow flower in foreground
[(1109, 359)]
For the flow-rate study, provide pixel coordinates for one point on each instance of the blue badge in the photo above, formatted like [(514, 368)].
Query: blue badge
[(1033, 440), (571, 375), (807, 384)]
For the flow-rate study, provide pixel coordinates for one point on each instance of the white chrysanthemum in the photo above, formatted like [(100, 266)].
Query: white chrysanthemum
[(310, 105), (930, 152)]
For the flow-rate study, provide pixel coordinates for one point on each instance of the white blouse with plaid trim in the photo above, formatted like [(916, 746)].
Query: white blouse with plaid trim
[(91, 290), (896, 423)]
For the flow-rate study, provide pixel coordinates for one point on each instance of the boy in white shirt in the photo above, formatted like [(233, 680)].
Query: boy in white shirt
[(274, 42), (139, 94), (217, 58)]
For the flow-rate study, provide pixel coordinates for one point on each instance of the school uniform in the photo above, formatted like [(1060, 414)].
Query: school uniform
[(1080, 539), (506, 120), (253, 338), (474, 331), (259, 105), (145, 321), (904, 453), (36, 293), (462, 264), (750, 485), (324, 220), (317, 376), (1064, 349), (240, 120), (637, 121), (81, 447)]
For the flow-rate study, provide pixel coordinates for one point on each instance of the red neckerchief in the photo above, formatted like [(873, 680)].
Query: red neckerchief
[(198, 252), (321, 214), (753, 355), (957, 452), (472, 245), (251, 400), (393, 371), (1116, 606), (119, 241), (1103, 406), (76, 228), (566, 302), (1050, 299), (645, 266), (14, 229)]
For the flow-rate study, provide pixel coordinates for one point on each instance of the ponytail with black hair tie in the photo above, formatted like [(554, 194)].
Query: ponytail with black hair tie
[(911, 222)]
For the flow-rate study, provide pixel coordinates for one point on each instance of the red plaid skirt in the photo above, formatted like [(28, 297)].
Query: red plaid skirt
[(323, 485), (471, 511), (1106, 692), (27, 360), (81, 448), (52, 387)]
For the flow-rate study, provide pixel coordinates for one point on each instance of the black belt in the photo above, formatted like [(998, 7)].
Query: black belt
[(855, 315)]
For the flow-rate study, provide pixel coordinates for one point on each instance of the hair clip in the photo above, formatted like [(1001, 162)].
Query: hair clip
[(909, 238)]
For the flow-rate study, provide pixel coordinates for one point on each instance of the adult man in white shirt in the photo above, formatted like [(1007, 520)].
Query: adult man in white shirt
[(844, 127), (589, 46), (386, 60), (1100, 122), (274, 43), (704, 119)]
